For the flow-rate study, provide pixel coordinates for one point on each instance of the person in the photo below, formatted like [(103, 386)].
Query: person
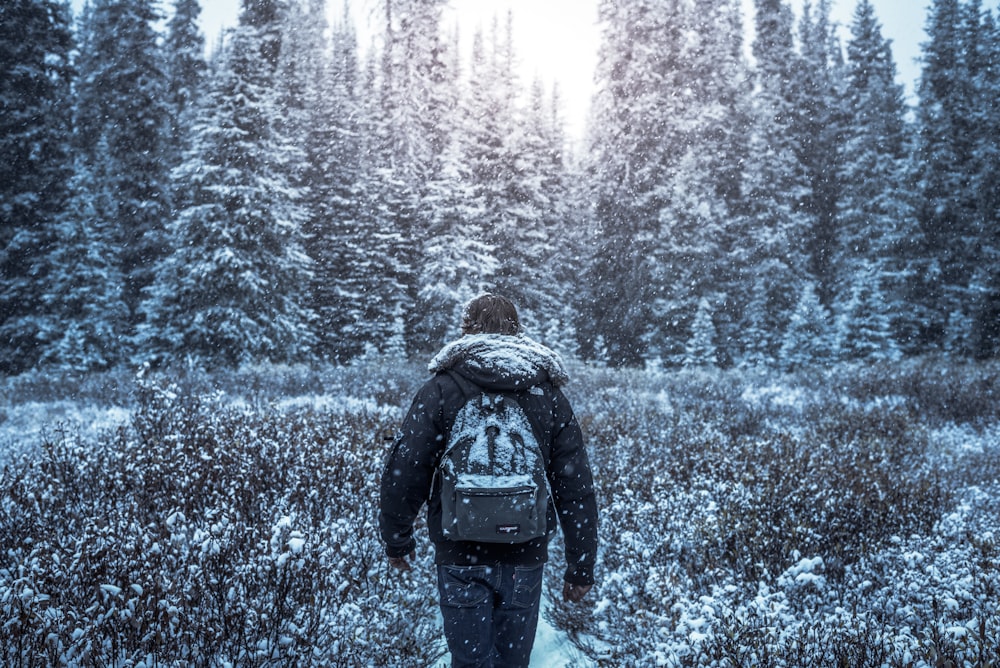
[(490, 592)]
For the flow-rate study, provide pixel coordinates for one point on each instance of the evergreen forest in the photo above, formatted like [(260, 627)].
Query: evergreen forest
[(296, 196)]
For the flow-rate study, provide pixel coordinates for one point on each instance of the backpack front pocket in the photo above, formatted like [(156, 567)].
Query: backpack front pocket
[(498, 514)]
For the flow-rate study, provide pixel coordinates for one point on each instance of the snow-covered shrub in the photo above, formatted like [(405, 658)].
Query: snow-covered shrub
[(107, 388), (834, 517), (207, 535), (938, 391), (744, 520)]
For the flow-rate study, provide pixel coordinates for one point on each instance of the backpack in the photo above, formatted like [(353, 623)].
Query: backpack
[(492, 471)]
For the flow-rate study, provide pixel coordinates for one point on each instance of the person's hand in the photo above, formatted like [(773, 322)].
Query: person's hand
[(574, 593), (401, 563)]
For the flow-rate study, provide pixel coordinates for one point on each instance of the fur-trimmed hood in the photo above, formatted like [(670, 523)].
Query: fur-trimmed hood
[(501, 362)]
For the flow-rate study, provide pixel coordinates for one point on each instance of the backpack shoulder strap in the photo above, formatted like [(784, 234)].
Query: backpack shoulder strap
[(467, 393)]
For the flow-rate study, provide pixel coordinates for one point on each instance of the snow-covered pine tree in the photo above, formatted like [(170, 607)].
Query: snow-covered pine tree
[(186, 69), (819, 125), (507, 141), (689, 257), (949, 137), (417, 82), (513, 223), (632, 139), (123, 100), (185, 66), (988, 185), (414, 94), (300, 70), (570, 226), (376, 269), (721, 83), (981, 46), (235, 287), (864, 328), (810, 337), (542, 203), (701, 188), (458, 259), (310, 113), (700, 350), (877, 232), (336, 235), (770, 257), (35, 165), (457, 263), (85, 315)]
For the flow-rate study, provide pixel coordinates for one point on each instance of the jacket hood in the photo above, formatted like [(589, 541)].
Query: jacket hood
[(501, 362)]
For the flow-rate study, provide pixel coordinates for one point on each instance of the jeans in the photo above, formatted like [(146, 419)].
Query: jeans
[(490, 613)]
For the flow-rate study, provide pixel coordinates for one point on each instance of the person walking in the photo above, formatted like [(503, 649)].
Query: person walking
[(490, 590)]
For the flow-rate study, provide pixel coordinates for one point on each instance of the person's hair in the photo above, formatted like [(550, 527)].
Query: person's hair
[(490, 314)]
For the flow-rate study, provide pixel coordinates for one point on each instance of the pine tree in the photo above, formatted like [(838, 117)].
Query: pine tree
[(632, 140), (768, 255), (337, 237), (299, 71), (376, 261), (459, 259), (809, 338), (458, 264), (542, 207), (988, 185), (513, 170), (416, 94), (981, 45), (570, 216), (35, 129), (416, 81), (234, 289), (865, 331), (819, 126), (877, 226), (701, 349), (85, 313), (184, 53), (500, 177), (947, 142), (689, 257), (123, 104), (700, 190)]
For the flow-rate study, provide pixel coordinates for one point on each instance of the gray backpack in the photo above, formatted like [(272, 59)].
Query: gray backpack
[(492, 471)]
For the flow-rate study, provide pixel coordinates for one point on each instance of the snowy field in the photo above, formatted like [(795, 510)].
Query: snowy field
[(834, 517)]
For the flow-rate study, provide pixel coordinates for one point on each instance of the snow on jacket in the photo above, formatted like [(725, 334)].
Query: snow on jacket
[(497, 363)]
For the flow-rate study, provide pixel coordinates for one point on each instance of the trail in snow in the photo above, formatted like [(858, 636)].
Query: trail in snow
[(552, 648)]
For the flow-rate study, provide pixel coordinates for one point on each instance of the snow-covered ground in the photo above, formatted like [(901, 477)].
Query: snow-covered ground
[(729, 505), (26, 424), (552, 648)]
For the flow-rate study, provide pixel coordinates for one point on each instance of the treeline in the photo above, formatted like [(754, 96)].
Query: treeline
[(299, 196)]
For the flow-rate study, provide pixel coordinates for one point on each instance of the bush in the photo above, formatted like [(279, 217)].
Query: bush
[(205, 535), (746, 518), (839, 517)]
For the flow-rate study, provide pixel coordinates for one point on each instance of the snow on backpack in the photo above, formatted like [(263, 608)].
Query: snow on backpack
[(492, 471)]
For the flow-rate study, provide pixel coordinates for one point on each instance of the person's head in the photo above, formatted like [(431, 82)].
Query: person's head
[(490, 314)]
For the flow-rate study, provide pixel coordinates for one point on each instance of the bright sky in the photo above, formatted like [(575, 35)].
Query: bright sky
[(557, 39)]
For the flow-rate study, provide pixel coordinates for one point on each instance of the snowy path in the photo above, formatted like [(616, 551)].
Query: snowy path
[(552, 649)]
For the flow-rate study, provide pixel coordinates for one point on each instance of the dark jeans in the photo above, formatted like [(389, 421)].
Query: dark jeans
[(490, 613)]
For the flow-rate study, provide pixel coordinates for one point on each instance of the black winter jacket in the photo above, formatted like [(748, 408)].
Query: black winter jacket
[(496, 363)]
